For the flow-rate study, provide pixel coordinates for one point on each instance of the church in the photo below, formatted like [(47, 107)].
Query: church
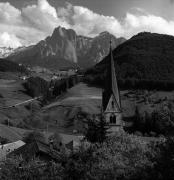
[(111, 101)]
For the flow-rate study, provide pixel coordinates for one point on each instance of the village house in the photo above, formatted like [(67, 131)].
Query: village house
[(6, 149)]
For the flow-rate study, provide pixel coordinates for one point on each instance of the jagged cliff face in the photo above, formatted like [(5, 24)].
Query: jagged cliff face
[(98, 49), (61, 44), (66, 46)]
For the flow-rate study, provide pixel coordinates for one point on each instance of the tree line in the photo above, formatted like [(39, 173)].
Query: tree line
[(132, 83), (36, 86), (156, 123)]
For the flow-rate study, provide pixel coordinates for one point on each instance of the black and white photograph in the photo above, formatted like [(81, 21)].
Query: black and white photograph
[(86, 89)]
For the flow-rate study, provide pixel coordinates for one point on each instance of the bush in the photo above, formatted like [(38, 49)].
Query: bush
[(3, 140), (17, 168), (160, 121), (121, 156), (36, 86), (31, 136), (96, 131)]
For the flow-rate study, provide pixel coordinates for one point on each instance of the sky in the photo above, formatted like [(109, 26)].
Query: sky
[(26, 22)]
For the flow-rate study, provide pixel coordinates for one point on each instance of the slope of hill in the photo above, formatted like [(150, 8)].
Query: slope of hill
[(146, 56), (9, 66), (12, 133), (64, 48)]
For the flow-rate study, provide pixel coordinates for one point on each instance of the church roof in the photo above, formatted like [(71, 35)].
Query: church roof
[(111, 86)]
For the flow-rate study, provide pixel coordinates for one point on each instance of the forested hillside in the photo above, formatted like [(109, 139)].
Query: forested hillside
[(145, 57), (9, 66)]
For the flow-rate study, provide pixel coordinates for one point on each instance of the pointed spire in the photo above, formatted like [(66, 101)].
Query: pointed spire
[(110, 45), (111, 87), (115, 90)]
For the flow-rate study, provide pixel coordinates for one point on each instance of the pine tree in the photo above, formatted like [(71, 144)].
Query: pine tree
[(91, 131), (96, 130), (102, 130)]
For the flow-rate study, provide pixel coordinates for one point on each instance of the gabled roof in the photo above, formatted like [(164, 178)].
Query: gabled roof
[(10, 147), (35, 148), (111, 86), (72, 145)]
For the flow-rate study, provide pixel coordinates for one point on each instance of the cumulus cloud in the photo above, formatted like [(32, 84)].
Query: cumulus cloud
[(86, 22), (35, 22), (9, 40), (134, 24), (9, 14), (29, 25)]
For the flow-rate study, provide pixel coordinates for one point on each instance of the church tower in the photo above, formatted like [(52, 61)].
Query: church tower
[(111, 102)]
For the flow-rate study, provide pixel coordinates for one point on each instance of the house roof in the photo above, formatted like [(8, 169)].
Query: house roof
[(34, 148), (67, 138), (72, 145), (10, 147)]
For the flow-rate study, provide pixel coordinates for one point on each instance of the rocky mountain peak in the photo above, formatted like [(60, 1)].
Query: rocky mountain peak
[(65, 44), (104, 33)]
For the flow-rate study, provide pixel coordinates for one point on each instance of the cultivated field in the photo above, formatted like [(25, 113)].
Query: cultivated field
[(11, 93), (12, 133), (62, 114)]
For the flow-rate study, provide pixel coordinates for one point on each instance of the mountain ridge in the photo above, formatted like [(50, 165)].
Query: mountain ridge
[(64, 45)]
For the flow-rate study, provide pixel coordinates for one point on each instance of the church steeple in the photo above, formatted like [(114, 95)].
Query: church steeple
[(111, 101), (115, 90), (111, 86)]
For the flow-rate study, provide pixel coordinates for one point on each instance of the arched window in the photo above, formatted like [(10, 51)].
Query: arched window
[(111, 119), (114, 119)]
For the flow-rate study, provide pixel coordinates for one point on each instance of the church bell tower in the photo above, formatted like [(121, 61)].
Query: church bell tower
[(111, 102)]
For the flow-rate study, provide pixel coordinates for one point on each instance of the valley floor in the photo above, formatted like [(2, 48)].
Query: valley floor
[(86, 99), (62, 115), (11, 93)]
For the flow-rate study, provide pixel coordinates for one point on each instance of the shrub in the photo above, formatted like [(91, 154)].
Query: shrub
[(160, 121), (121, 156), (36, 86), (96, 131), (31, 136)]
